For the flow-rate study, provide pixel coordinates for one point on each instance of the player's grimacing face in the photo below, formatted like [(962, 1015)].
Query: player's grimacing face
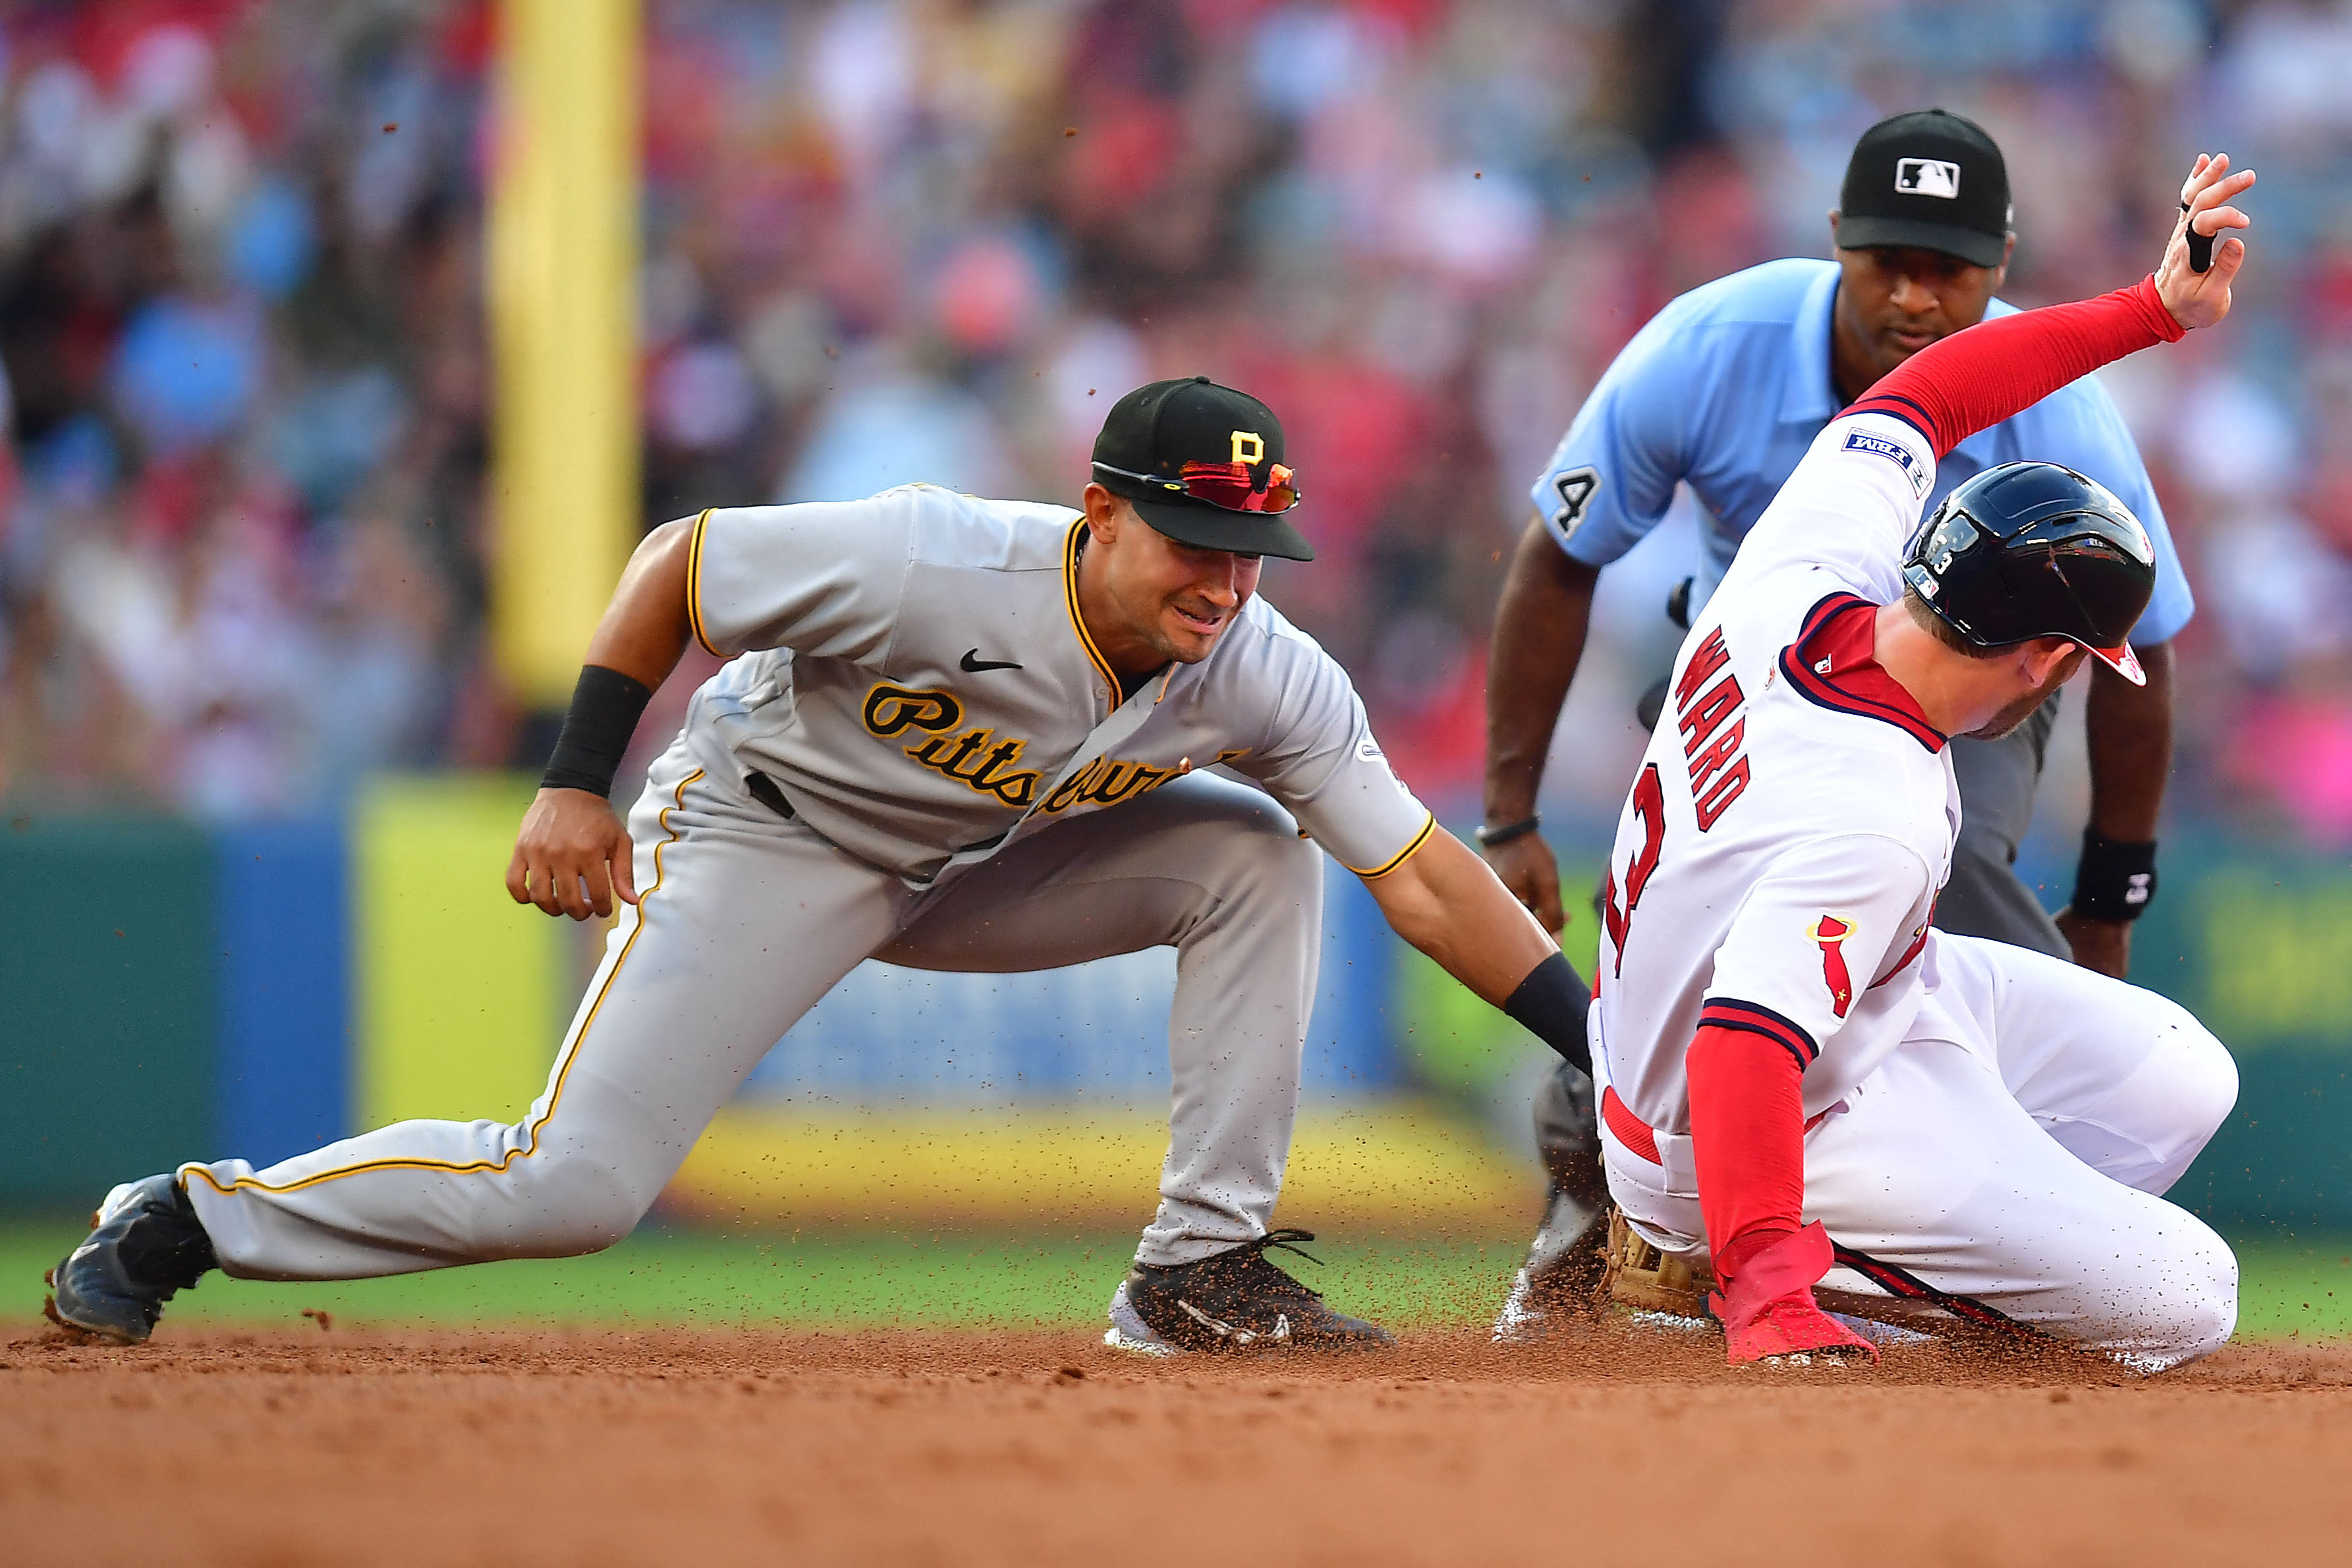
[(1172, 599), (1187, 597)]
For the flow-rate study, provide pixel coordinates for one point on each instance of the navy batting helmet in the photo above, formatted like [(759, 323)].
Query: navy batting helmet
[(2033, 550)]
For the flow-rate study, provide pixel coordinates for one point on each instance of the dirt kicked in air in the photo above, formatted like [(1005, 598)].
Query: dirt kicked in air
[(601, 1447)]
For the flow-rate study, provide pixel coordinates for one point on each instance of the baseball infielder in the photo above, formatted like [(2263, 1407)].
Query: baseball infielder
[(954, 733), (1800, 1078)]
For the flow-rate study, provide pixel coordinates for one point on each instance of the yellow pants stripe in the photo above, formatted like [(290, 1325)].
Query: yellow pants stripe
[(530, 1139)]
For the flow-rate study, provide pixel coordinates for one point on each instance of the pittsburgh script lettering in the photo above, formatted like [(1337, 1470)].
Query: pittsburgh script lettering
[(976, 758)]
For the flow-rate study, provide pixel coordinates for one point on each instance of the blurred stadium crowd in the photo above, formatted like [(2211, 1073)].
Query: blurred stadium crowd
[(242, 535)]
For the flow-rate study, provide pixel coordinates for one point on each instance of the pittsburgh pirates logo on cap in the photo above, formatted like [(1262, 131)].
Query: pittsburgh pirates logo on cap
[(1202, 464)]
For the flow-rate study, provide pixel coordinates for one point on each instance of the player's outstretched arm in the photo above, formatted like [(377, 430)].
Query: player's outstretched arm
[(572, 857), (1447, 902)]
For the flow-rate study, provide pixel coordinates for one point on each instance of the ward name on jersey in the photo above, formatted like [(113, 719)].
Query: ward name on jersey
[(917, 680), (1777, 861)]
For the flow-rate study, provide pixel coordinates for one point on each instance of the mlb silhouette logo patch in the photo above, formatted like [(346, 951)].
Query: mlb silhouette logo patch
[(1928, 177), (1893, 452)]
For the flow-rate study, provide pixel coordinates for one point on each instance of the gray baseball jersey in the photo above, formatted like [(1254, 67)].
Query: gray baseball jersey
[(918, 682), (920, 685)]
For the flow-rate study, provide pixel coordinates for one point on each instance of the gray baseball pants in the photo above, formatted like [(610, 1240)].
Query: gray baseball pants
[(1983, 897), (746, 920)]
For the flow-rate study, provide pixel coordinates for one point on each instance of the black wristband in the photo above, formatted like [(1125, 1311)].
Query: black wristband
[(1489, 836), (1551, 1004), (605, 707), (2113, 881)]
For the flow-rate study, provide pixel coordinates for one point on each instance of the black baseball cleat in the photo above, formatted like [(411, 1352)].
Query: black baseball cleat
[(1231, 1300), (1561, 1278), (145, 1243)]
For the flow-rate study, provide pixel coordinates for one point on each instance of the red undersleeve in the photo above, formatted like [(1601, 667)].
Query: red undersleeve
[(1975, 379), (1747, 1138)]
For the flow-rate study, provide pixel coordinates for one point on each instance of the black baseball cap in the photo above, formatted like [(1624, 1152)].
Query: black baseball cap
[(1928, 179), (2035, 550), (1203, 465)]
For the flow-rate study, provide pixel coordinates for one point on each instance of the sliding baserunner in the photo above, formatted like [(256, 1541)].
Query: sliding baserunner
[(1801, 1079)]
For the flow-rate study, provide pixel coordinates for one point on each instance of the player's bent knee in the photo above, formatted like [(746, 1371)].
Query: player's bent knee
[(581, 1205), (2205, 1304), (2184, 1301), (2206, 1082)]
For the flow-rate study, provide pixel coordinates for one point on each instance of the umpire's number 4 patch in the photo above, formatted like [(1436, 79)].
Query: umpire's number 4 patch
[(1576, 490)]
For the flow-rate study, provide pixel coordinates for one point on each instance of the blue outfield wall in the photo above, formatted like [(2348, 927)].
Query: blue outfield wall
[(282, 1075), (169, 993)]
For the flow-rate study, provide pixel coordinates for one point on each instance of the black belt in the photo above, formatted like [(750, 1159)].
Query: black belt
[(763, 788)]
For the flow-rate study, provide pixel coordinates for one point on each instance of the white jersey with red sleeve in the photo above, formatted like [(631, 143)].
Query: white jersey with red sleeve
[(1778, 859)]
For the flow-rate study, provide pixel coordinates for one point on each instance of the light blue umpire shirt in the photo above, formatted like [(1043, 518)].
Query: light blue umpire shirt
[(1726, 389)]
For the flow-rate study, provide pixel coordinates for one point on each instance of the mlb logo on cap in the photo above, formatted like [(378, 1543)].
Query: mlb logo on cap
[(1928, 177), (1930, 180)]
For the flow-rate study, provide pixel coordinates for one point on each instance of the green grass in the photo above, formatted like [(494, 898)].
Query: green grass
[(664, 1276), (678, 1277), (2299, 1289)]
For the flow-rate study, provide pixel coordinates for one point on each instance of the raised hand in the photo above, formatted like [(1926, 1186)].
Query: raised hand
[(2200, 299)]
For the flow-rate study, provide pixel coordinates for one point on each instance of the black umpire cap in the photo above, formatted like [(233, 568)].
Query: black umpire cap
[(2033, 550), (1928, 179), (1203, 465)]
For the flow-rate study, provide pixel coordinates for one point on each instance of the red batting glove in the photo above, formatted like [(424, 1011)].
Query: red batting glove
[(1768, 1308)]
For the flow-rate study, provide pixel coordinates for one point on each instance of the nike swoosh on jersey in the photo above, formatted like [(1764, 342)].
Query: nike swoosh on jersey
[(974, 664)]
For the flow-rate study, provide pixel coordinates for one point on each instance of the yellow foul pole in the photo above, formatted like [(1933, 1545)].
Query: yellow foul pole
[(563, 258)]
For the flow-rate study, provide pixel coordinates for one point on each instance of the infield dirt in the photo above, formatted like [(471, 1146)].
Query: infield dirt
[(1044, 1448)]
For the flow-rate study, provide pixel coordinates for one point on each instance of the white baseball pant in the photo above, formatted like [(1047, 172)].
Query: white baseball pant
[(746, 920), (2009, 1155)]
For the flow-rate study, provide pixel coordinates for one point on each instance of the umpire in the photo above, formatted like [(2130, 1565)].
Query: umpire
[(1723, 391)]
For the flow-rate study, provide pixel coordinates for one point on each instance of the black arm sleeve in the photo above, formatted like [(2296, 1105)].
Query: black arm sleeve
[(1550, 1004)]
